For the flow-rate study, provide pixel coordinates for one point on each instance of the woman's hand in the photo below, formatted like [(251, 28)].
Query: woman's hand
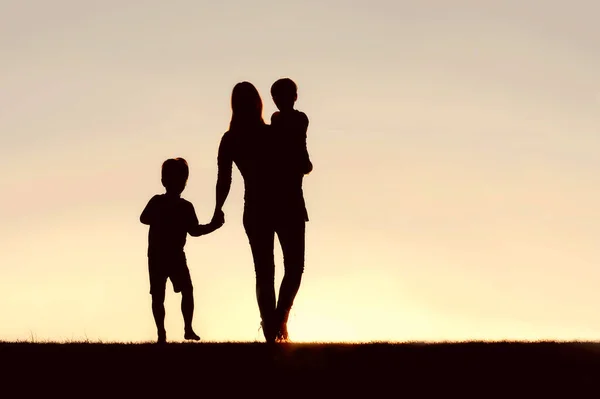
[(218, 218)]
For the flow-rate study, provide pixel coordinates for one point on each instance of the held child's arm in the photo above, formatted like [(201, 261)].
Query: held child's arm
[(307, 165), (274, 117)]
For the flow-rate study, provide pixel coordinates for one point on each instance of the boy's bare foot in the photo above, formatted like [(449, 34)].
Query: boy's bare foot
[(190, 334), (162, 337)]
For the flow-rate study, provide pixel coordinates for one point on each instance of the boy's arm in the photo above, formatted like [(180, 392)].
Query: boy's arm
[(307, 165), (196, 230), (203, 229), (192, 221), (147, 216)]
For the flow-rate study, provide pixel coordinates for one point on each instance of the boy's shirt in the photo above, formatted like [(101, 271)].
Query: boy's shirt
[(170, 219)]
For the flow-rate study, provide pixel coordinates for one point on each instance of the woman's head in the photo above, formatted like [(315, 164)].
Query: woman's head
[(246, 105)]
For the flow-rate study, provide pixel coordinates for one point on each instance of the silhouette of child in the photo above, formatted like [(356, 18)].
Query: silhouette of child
[(291, 125), (171, 218)]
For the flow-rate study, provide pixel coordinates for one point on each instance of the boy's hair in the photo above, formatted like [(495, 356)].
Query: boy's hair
[(174, 170), (284, 86)]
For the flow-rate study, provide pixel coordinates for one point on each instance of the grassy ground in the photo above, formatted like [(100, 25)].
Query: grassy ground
[(473, 369)]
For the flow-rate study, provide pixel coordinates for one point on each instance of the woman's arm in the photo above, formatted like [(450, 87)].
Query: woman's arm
[(224, 169)]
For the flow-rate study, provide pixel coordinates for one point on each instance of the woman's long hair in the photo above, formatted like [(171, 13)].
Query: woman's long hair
[(246, 106)]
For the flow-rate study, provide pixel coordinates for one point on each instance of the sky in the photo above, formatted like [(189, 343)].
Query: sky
[(455, 192)]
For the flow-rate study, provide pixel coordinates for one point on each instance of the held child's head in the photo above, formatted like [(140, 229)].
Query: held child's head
[(285, 93), (175, 173)]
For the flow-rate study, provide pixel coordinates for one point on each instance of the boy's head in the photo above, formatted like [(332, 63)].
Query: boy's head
[(175, 173), (285, 93)]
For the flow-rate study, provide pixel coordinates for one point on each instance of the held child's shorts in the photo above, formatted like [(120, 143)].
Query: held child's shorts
[(162, 268)]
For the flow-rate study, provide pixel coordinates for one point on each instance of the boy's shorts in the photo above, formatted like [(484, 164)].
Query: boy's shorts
[(163, 268)]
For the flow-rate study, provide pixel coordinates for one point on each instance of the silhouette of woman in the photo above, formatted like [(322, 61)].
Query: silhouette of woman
[(269, 208)]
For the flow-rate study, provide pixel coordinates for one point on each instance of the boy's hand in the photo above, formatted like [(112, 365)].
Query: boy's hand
[(216, 224)]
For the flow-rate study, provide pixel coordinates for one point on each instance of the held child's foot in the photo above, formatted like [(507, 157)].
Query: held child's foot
[(191, 335)]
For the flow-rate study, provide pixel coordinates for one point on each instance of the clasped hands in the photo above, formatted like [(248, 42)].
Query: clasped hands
[(218, 219)]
